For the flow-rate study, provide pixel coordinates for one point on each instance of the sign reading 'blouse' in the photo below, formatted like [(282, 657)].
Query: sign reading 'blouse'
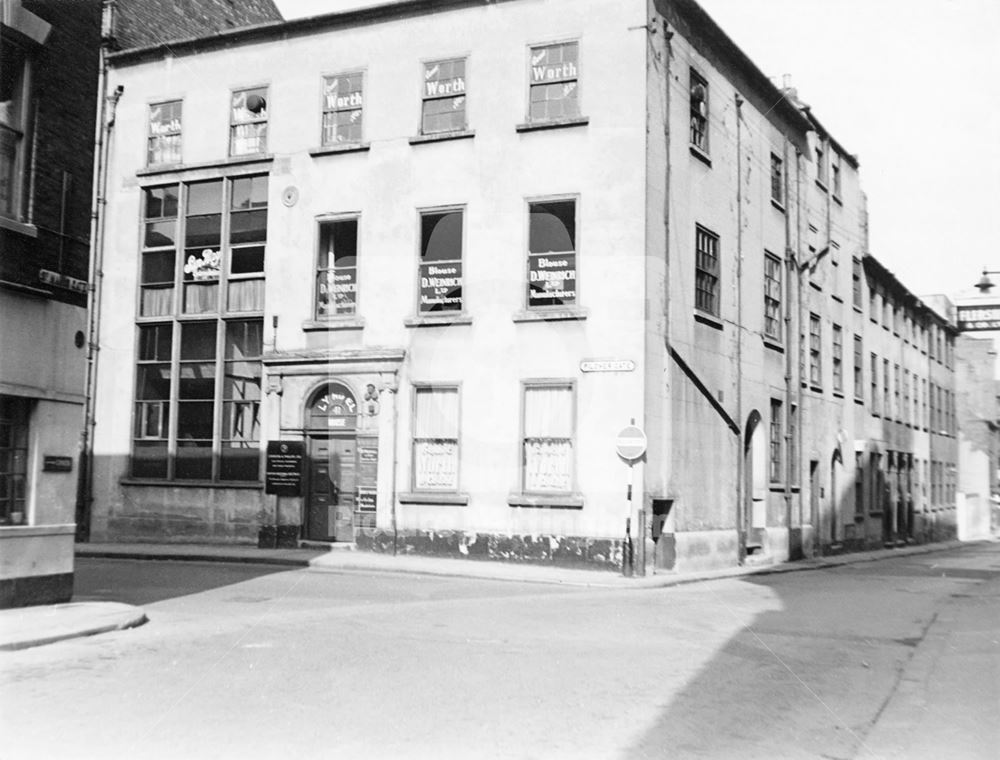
[(552, 280), (441, 287)]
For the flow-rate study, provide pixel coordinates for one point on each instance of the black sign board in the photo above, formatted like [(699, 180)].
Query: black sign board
[(367, 499), (283, 470), (552, 279), (57, 464), (973, 318), (441, 286)]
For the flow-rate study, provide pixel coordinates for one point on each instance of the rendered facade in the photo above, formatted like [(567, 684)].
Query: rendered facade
[(446, 254)]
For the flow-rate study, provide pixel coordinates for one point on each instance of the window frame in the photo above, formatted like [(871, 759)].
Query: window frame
[(431, 387), (715, 292), (18, 129), (773, 284), (326, 110), (263, 134), (228, 312), (531, 50), (698, 118), (775, 443), (428, 211), (837, 358), (426, 98), (859, 370), (575, 253), (169, 133), (777, 179), (815, 351), (334, 315), (15, 455), (571, 385)]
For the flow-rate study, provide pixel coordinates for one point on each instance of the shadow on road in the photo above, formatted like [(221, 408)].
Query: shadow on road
[(811, 678), (142, 582)]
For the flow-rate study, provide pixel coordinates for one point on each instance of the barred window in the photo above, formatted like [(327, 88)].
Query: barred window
[(706, 283), (772, 296), (343, 106)]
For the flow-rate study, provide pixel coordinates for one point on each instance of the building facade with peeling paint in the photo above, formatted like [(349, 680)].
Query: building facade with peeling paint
[(399, 276)]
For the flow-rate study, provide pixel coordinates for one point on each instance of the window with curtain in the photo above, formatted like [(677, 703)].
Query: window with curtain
[(548, 438), (435, 438)]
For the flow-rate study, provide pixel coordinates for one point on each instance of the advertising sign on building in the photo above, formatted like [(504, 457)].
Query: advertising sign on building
[(283, 469), (979, 317), (552, 280), (441, 287), (367, 499)]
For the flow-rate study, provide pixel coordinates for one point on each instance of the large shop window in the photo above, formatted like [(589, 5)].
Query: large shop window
[(547, 456), (164, 143), (554, 82), (248, 122), (443, 97), (552, 279), (440, 276), (13, 459), (435, 438), (337, 269), (13, 127), (343, 105), (198, 370)]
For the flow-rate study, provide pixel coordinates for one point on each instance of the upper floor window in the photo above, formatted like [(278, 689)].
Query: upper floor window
[(13, 128), (856, 287), (248, 122), (706, 272), (552, 279), (164, 143), (772, 296), (835, 170), (859, 378), (443, 97), (440, 275), (777, 180), (775, 442), (699, 111), (554, 82), (343, 105), (337, 268), (838, 359), (815, 352), (820, 164)]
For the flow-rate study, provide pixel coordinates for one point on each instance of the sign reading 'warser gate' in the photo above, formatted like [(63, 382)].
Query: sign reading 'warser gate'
[(552, 280), (441, 287)]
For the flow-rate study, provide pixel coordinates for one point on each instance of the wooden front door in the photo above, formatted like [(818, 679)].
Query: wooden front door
[(332, 480)]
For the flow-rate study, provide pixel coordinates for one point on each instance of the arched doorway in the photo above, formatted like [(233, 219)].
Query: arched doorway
[(331, 419)]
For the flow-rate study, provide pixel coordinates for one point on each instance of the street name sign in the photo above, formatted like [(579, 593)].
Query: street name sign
[(607, 365), (631, 443)]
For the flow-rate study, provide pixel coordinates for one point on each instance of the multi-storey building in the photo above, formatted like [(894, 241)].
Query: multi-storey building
[(445, 254)]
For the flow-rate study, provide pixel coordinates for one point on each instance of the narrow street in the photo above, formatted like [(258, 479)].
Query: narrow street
[(889, 659)]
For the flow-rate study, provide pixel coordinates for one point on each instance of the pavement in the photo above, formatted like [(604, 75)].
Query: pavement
[(25, 627)]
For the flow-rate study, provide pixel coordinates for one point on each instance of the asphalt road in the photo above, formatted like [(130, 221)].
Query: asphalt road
[(891, 659)]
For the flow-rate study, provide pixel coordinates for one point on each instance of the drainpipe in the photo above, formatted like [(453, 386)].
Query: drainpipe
[(800, 348), (790, 267), (106, 106), (741, 516), (395, 458)]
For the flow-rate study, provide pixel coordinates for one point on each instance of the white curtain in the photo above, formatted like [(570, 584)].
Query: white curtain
[(548, 412), (436, 413)]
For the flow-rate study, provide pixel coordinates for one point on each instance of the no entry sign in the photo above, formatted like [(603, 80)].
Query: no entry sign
[(631, 443)]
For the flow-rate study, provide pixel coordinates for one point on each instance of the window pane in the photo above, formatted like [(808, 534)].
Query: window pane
[(246, 295), (204, 198), (436, 413), (441, 236), (239, 462), (241, 381), (161, 202), (248, 227), (160, 234), (158, 267), (194, 460), (435, 465), (154, 342), (153, 382), (247, 260), (548, 412), (196, 380), (244, 339), (201, 298), (338, 243), (204, 231), (149, 459), (241, 421), (548, 465), (198, 340), (552, 226), (194, 421), (249, 192)]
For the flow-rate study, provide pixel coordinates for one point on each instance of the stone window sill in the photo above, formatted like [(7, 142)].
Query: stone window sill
[(464, 134), (22, 228), (331, 150), (442, 319), (778, 205), (774, 345), (334, 323), (553, 315), (560, 501), (249, 485), (707, 319), (701, 155), (260, 158), (456, 499), (535, 126)]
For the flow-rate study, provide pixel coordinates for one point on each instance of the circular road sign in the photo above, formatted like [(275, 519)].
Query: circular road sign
[(630, 443)]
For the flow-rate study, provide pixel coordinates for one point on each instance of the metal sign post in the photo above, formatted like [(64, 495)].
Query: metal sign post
[(631, 445)]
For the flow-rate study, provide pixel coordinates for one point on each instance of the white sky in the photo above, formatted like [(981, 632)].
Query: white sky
[(910, 86)]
